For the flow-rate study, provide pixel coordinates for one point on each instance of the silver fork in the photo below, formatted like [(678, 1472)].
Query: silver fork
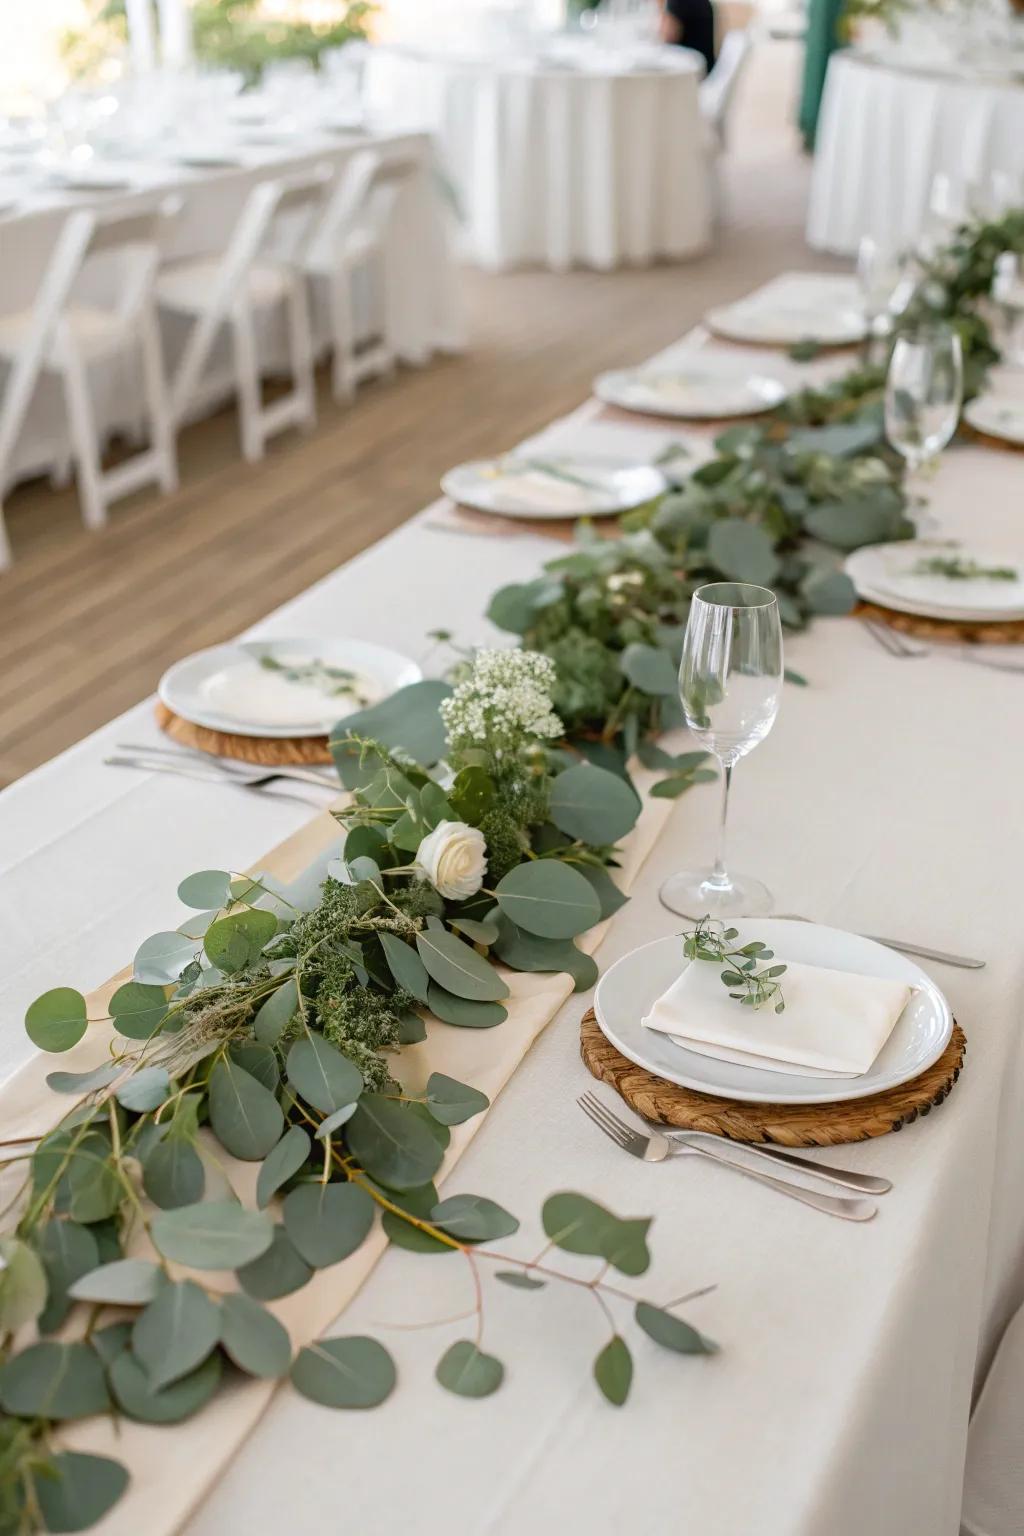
[(256, 778), (893, 642), (655, 1148), (191, 757), (770, 1155)]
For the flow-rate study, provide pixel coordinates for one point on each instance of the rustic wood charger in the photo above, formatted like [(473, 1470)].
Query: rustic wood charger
[(962, 631), (790, 1125), (264, 751)]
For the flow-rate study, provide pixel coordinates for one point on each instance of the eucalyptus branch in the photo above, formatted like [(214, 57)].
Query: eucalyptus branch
[(756, 988)]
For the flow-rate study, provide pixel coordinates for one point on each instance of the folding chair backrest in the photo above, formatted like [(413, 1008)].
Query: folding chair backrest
[(136, 238), (391, 179), (347, 201)]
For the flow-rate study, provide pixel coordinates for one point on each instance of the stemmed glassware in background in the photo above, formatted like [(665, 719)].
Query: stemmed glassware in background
[(730, 680), (923, 394), (1008, 297), (880, 273)]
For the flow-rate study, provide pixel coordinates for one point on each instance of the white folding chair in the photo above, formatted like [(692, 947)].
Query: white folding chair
[(718, 91), (61, 335), (261, 269), (353, 235)]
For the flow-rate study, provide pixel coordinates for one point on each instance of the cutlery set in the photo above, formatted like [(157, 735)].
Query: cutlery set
[(903, 649), (205, 769)]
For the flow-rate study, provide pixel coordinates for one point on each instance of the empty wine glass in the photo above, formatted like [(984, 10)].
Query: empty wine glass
[(880, 271), (923, 393), (1008, 297), (730, 679)]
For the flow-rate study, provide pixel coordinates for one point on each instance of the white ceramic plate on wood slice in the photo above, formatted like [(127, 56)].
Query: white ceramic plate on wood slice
[(884, 573), (701, 389), (283, 687), (629, 988), (783, 325), (998, 416), (554, 485)]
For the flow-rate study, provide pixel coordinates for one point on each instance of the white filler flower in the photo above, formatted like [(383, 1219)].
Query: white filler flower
[(505, 701), (454, 859)]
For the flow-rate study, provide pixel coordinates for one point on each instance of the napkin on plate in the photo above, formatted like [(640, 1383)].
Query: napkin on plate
[(535, 489), (834, 1023)]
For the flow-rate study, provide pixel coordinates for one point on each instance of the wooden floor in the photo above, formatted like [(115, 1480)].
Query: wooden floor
[(89, 621)]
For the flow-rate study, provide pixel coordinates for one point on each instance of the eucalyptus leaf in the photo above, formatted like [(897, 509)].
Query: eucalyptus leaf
[(139, 1399), (607, 892), (477, 932), (528, 952), (215, 1234), (465, 1370), (237, 941), (650, 668), (54, 1381), (68, 1251), (161, 959), (548, 898), (743, 551), (519, 1279), (592, 805), (392, 1144), (84, 1082), (473, 1219), (671, 1332), (406, 966), (254, 1340), (23, 1284), (452, 1102), (462, 1012), (57, 1020), (277, 1272), (77, 1490), (125, 1282), (322, 1075), (94, 1186), (245, 1117), (175, 1333), (332, 1123), (274, 1015), (138, 1010), (258, 1060), (173, 1173), (613, 1370), (344, 1373), (143, 1090), (830, 592), (282, 1163), (210, 888), (327, 1222), (458, 968), (417, 1203), (408, 721)]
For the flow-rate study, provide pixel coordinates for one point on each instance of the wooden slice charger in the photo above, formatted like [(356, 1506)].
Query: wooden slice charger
[(265, 751), (970, 632), (790, 1125)]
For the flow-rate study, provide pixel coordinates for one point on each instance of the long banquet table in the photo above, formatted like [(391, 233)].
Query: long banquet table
[(883, 799), (422, 299)]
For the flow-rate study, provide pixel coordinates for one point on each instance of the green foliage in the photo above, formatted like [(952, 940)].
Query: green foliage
[(756, 988)]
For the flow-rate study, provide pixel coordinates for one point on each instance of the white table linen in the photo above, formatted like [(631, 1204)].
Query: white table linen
[(596, 164), (994, 1479), (882, 799), (884, 133), (423, 298)]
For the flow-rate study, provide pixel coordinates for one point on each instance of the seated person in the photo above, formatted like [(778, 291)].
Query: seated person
[(691, 24)]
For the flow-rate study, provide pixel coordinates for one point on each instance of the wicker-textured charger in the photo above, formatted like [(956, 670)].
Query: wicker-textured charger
[(971, 632), (265, 751), (790, 1125)]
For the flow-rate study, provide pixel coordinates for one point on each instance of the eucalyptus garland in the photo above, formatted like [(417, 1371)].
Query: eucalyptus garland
[(482, 826)]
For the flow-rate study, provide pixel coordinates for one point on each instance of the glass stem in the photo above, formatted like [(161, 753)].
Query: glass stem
[(718, 874)]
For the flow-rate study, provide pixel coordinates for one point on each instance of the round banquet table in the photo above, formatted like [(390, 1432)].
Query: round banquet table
[(883, 134), (594, 158)]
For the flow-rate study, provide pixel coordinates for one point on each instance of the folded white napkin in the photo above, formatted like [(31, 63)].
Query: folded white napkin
[(834, 1023), (546, 493)]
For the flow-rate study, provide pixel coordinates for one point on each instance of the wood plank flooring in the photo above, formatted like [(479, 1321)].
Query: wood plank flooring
[(89, 621)]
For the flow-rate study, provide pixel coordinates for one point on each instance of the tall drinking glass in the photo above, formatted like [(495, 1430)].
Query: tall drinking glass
[(880, 272), (923, 393), (730, 679)]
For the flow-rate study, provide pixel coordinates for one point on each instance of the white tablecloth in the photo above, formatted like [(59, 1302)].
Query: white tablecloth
[(423, 297), (883, 799), (884, 132), (595, 166)]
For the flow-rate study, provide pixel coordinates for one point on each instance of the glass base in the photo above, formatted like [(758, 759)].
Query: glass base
[(694, 894)]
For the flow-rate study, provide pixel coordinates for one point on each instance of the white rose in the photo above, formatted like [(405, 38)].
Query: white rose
[(454, 859)]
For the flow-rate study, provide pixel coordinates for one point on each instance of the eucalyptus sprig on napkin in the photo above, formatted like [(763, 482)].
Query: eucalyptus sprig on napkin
[(756, 987)]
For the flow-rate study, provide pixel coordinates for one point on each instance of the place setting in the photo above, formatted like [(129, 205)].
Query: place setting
[(811, 321), (699, 387)]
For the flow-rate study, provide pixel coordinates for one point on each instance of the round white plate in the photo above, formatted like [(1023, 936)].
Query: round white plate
[(783, 325), (628, 989), (998, 415), (523, 487), (229, 688), (702, 389), (881, 573)]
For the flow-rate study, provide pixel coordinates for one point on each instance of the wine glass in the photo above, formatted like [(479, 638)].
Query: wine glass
[(880, 271), (730, 679), (1008, 297), (923, 393)]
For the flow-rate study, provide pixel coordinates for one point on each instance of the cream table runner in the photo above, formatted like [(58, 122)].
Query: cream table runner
[(885, 799)]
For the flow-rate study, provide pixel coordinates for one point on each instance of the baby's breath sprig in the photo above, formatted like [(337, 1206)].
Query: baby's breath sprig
[(709, 941)]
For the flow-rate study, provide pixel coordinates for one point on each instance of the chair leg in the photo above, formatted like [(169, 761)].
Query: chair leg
[(300, 335), (83, 439), (161, 423), (343, 384), (247, 378)]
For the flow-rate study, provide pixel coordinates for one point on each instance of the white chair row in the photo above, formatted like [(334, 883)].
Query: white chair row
[(294, 234), (717, 92)]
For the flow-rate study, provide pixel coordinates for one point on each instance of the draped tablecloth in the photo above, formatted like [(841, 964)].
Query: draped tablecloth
[(883, 799), (422, 298), (883, 134), (591, 164)]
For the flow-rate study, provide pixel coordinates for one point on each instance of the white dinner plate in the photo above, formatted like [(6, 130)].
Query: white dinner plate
[(998, 415), (783, 325), (247, 688), (884, 573), (554, 485), (697, 389), (629, 988)]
